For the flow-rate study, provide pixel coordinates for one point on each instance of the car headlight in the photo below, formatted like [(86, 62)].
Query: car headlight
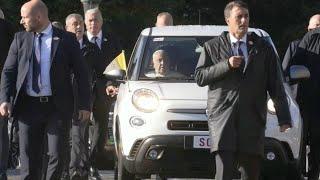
[(145, 100)]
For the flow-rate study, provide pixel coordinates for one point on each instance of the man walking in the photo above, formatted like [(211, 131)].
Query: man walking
[(36, 75), (240, 68), (104, 90), (79, 164), (308, 97)]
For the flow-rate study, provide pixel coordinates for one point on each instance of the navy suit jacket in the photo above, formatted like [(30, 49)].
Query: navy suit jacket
[(110, 49), (65, 58)]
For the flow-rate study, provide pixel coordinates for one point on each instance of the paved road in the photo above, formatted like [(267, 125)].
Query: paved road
[(107, 175), (14, 174)]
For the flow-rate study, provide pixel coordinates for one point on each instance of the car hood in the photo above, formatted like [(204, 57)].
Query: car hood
[(172, 90)]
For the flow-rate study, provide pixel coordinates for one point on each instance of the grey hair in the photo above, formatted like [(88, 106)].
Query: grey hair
[(1, 14), (94, 11), (160, 51), (74, 15), (233, 4)]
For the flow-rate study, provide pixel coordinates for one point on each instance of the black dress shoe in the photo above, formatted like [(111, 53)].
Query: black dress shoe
[(65, 176), (76, 175), (3, 176), (94, 174)]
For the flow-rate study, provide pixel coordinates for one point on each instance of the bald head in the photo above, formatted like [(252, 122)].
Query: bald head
[(34, 16), (164, 19), (314, 22)]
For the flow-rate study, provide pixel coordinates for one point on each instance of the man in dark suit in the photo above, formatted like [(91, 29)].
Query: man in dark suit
[(79, 164), (37, 74), (308, 96), (6, 35), (104, 90), (314, 170), (239, 68)]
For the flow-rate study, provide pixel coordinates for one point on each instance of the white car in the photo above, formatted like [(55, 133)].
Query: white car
[(160, 123)]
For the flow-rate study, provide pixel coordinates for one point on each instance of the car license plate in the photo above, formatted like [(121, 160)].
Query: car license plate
[(202, 142)]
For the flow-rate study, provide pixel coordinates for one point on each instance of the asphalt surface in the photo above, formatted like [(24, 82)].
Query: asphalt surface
[(106, 175)]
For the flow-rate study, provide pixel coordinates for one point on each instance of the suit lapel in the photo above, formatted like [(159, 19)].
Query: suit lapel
[(104, 43), (226, 44), (30, 46), (250, 46), (55, 42), (29, 56)]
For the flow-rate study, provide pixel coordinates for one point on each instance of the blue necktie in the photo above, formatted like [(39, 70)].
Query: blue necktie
[(95, 38), (36, 67), (240, 53)]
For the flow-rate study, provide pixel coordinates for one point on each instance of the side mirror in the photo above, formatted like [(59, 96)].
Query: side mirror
[(298, 73), (116, 74)]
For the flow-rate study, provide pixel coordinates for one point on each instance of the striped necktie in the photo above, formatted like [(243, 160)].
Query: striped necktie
[(95, 41)]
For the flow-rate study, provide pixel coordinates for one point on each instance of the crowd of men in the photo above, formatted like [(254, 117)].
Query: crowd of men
[(52, 85)]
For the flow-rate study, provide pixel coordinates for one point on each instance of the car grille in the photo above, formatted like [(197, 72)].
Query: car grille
[(135, 148), (188, 125)]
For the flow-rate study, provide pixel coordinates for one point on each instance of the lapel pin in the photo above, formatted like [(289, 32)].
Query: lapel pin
[(250, 42), (105, 39), (56, 38)]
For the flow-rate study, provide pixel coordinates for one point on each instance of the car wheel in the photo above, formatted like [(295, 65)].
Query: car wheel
[(161, 177), (121, 172), (273, 178)]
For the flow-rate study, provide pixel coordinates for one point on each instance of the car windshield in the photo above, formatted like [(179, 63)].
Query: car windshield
[(171, 58)]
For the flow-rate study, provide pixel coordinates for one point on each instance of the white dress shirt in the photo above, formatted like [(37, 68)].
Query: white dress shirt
[(243, 47), (45, 63), (81, 43), (99, 38)]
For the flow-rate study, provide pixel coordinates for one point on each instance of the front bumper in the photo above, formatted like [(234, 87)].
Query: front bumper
[(176, 159)]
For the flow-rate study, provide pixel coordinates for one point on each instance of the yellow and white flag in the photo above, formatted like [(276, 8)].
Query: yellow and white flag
[(117, 63)]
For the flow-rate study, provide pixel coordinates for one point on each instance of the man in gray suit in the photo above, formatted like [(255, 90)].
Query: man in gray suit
[(239, 68)]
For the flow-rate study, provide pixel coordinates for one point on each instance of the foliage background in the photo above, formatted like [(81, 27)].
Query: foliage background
[(284, 20)]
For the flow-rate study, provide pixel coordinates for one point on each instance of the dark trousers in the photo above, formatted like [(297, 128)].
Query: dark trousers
[(66, 147), (228, 162), (37, 121), (4, 145), (79, 138), (314, 158), (314, 155), (79, 151), (98, 130), (312, 137)]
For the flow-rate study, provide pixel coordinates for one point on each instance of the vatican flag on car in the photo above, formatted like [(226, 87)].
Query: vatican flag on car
[(117, 63)]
